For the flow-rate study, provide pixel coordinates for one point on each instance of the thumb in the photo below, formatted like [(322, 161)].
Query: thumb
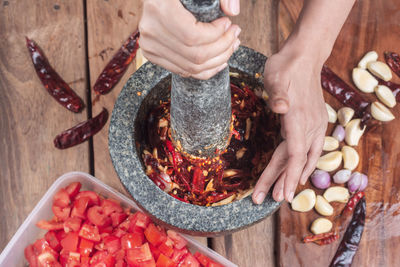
[(278, 99), (230, 7)]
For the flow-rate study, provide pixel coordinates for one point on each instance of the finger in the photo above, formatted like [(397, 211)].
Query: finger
[(271, 173), (278, 99), (230, 7), (297, 152), (277, 194), (312, 158)]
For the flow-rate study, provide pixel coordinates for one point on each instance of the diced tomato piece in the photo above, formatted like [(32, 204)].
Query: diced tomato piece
[(106, 229), (96, 216), (165, 249), (60, 234), (140, 219), (61, 213), (133, 240), (64, 257), (179, 254), (53, 241), (150, 263), (214, 264), (110, 206), (164, 261), (179, 241), (120, 263), (73, 189), (119, 232), (50, 225), (30, 256), (117, 218), (138, 255), (70, 242), (112, 244), (61, 198), (155, 251), (75, 256), (72, 225), (154, 235), (47, 259), (80, 206), (94, 198), (90, 232), (85, 260), (119, 255), (40, 246), (206, 261), (125, 225), (85, 247), (102, 259), (189, 261)]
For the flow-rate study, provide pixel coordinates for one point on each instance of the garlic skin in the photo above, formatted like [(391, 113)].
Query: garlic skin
[(353, 132), (368, 57), (337, 193), (330, 143), (350, 158), (330, 161), (332, 115), (304, 201), (323, 207), (385, 95), (345, 115), (321, 226), (364, 80), (380, 70), (380, 112)]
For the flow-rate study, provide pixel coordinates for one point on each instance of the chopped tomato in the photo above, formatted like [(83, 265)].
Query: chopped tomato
[(50, 225), (154, 235), (179, 254), (73, 189), (166, 249), (214, 264), (47, 259), (117, 218), (102, 259), (85, 247), (120, 263), (119, 255), (61, 213), (94, 198), (110, 206), (138, 255), (31, 256), (96, 216), (125, 225), (72, 225), (164, 261), (206, 261), (80, 206), (179, 241), (61, 198), (155, 251), (53, 241), (131, 240), (70, 242), (189, 261), (90, 232), (112, 244), (119, 232), (106, 229), (140, 219)]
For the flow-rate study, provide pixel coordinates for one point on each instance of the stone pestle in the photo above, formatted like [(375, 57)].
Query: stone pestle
[(201, 109)]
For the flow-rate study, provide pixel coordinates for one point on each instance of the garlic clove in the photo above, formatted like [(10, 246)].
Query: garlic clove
[(330, 143), (323, 207), (380, 70), (380, 112), (330, 161), (353, 132), (304, 201), (364, 80), (337, 193), (368, 57), (140, 59), (345, 115), (350, 158), (332, 116), (320, 226), (385, 95)]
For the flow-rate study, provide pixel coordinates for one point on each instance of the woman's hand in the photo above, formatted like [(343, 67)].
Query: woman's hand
[(172, 38), (292, 81)]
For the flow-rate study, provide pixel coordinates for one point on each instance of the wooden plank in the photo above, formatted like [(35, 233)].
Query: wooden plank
[(372, 25), (30, 118), (254, 246)]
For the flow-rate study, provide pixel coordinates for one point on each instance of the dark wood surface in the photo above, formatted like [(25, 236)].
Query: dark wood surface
[(30, 118)]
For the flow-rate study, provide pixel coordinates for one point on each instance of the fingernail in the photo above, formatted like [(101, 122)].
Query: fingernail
[(280, 196), (234, 6), (260, 197), (237, 32), (236, 45), (290, 198), (227, 25), (223, 66), (280, 102)]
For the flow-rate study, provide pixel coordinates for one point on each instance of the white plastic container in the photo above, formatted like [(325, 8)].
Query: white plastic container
[(13, 254)]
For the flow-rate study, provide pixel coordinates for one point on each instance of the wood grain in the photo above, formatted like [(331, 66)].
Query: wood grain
[(372, 25), (29, 117), (255, 245)]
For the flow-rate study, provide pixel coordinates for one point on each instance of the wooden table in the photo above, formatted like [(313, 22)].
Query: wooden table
[(79, 37)]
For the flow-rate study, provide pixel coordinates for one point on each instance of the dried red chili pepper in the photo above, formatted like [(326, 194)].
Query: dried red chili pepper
[(51, 80), (81, 132), (392, 86), (216, 197), (327, 241), (198, 181), (117, 66), (321, 239), (393, 60), (352, 237), (353, 202), (348, 96)]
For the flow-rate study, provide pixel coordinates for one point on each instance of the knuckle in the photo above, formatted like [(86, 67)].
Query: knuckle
[(189, 38), (198, 57)]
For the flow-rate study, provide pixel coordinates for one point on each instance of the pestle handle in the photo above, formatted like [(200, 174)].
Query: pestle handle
[(201, 109)]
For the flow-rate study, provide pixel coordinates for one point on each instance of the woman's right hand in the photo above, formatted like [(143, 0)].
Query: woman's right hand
[(172, 38)]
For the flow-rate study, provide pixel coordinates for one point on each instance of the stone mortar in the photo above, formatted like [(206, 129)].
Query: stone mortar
[(144, 89)]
